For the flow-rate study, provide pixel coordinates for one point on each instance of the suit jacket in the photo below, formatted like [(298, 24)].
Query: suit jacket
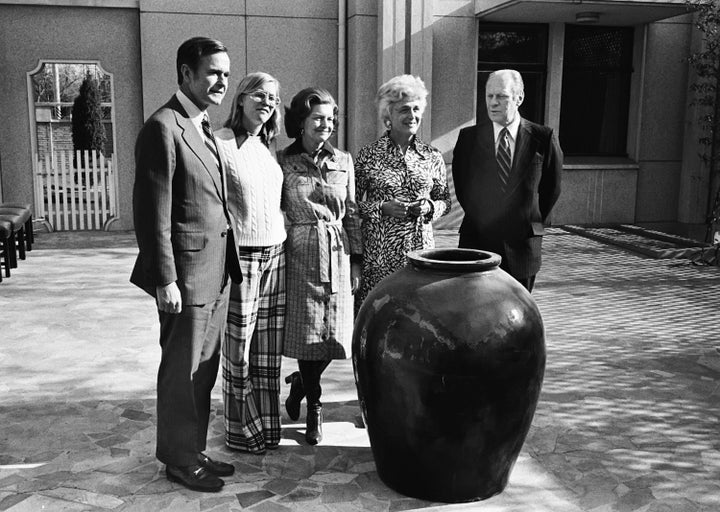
[(180, 213), (511, 222)]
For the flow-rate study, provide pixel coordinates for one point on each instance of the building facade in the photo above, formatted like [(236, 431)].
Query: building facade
[(610, 76)]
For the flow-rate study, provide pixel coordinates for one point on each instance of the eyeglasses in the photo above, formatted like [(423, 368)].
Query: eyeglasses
[(258, 96)]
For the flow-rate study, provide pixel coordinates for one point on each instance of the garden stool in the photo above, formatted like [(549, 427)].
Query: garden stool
[(29, 232), (7, 240), (18, 218)]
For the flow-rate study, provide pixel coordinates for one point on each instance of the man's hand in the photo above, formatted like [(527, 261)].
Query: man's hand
[(169, 299)]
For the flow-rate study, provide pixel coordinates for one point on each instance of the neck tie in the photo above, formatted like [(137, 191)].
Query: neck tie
[(503, 159), (209, 139)]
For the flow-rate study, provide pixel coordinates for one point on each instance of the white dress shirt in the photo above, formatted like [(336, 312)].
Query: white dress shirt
[(196, 115), (512, 129)]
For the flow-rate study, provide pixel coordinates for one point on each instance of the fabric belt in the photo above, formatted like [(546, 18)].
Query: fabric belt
[(330, 249)]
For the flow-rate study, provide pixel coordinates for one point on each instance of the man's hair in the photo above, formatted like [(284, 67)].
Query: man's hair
[(518, 87), (192, 50)]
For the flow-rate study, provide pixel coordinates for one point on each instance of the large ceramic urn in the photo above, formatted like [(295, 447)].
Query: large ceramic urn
[(449, 357)]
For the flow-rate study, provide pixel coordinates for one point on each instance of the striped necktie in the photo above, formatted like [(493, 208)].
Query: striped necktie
[(209, 139), (504, 159)]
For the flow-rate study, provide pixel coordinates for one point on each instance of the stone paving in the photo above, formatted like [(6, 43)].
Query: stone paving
[(628, 419)]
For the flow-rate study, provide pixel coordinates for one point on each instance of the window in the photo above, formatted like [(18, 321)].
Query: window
[(597, 70), (520, 47), (54, 87), (75, 187)]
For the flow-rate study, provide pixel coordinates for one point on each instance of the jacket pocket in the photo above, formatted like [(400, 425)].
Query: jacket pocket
[(537, 228), (189, 240)]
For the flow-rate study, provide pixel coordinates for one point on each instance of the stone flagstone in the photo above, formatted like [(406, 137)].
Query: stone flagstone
[(628, 417)]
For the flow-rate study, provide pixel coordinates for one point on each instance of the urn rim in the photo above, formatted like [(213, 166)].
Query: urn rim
[(454, 259)]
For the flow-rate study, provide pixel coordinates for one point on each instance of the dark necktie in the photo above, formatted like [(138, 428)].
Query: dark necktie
[(209, 139), (504, 159)]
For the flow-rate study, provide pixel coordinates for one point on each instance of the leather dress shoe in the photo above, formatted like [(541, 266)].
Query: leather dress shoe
[(297, 393), (195, 477), (215, 467)]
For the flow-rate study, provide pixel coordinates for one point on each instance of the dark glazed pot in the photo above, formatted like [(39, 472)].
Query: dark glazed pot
[(449, 357)]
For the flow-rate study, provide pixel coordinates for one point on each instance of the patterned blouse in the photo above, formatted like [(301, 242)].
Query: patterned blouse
[(383, 173), (323, 231)]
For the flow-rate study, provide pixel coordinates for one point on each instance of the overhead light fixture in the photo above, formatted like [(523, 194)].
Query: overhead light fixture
[(587, 17)]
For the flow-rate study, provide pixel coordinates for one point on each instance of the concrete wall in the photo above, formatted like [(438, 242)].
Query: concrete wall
[(455, 85), (597, 194), (297, 42), (31, 33), (662, 122), (294, 42), (362, 34)]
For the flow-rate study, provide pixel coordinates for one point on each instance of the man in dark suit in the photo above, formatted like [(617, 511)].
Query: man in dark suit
[(507, 179), (187, 251)]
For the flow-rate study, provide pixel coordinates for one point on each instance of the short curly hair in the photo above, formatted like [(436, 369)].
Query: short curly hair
[(301, 106), (397, 89)]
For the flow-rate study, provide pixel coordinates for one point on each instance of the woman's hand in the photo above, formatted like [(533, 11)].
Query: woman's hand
[(419, 208), (395, 208), (355, 273)]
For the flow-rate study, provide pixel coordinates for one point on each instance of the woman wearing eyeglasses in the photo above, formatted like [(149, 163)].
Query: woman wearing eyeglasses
[(253, 344), (324, 250)]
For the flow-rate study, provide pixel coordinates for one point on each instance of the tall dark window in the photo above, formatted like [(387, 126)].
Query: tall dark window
[(597, 70), (521, 47)]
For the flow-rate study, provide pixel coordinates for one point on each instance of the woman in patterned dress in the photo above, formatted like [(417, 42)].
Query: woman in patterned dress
[(323, 250), (252, 352), (401, 184)]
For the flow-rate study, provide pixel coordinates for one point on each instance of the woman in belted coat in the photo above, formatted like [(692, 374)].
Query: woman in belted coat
[(323, 250)]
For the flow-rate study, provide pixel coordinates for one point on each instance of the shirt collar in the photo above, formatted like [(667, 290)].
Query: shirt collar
[(512, 128), (194, 113), (416, 144), (296, 148)]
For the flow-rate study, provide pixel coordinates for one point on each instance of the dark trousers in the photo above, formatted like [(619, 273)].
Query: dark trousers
[(310, 371), (528, 282), (190, 343), (470, 241)]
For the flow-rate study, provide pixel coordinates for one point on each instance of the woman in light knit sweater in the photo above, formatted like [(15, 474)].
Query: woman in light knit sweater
[(324, 250), (253, 344)]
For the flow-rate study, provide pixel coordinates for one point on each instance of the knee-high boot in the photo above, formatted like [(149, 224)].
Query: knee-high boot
[(311, 372)]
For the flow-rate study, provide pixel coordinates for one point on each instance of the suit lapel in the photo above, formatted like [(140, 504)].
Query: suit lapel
[(193, 140), (484, 156), (521, 158)]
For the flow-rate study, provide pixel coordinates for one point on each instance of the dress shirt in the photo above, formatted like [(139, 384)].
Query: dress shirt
[(194, 113), (512, 129)]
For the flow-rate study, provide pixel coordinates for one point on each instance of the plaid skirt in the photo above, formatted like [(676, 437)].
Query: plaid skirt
[(252, 352)]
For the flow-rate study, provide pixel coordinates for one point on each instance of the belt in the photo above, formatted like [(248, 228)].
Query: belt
[(330, 249)]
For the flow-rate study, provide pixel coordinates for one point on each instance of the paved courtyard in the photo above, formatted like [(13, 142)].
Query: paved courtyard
[(628, 419)]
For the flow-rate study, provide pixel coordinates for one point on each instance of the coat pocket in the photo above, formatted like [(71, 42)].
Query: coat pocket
[(537, 228), (189, 240)]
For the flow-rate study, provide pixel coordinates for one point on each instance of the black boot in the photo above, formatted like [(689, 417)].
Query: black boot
[(311, 372), (297, 393), (313, 433)]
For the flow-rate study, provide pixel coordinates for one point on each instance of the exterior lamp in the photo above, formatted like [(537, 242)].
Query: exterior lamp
[(587, 17)]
